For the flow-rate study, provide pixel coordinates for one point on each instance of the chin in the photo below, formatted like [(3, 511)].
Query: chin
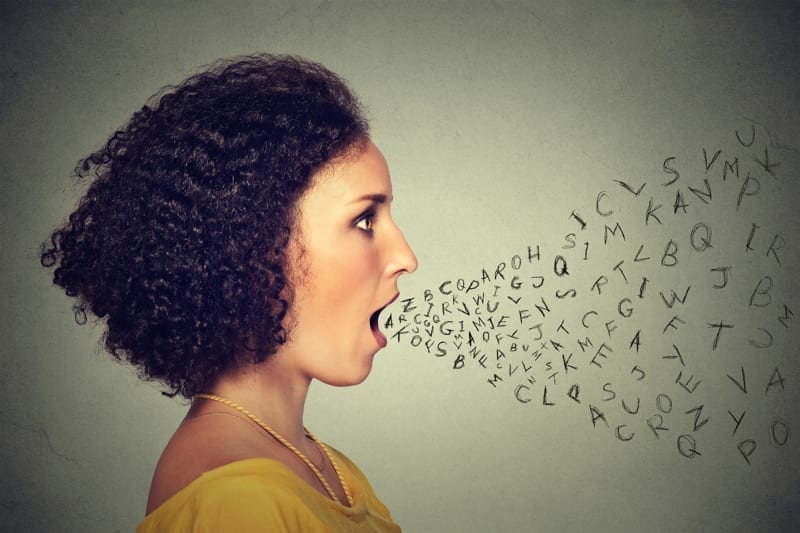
[(356, 378)]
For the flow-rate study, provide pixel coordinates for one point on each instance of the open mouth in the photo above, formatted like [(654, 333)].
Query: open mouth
[(374, 324)]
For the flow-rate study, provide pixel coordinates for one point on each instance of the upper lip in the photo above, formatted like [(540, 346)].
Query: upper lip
[(390, 302), (387, 304)]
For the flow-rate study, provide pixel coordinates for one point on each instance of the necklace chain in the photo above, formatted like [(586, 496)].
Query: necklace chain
[(246, 420), (288, 445)]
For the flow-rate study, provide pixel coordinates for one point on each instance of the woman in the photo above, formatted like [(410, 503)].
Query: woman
[(238, 243)]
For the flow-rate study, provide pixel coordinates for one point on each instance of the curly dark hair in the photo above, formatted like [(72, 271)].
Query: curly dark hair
[(179, 244)]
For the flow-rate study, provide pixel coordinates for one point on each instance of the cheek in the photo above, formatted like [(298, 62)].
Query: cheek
[(338, 280), (343, 274), (365, 266), (357, 255)]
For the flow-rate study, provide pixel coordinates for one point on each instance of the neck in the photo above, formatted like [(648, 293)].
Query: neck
[(270, 393)]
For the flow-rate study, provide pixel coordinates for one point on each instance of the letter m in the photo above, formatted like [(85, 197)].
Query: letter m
[(613, 232)]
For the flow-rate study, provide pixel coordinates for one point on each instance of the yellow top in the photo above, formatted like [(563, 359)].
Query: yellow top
[(265, 495)]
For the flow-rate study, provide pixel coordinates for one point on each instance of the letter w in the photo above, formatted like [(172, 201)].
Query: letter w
[(674, 297)]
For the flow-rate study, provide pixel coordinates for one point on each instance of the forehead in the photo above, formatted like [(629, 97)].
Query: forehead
[(363, 173)]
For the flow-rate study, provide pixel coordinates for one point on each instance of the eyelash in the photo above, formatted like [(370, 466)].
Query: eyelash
[(367, 217)]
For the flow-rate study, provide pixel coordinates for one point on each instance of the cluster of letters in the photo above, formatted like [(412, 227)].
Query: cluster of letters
[(664, 296)]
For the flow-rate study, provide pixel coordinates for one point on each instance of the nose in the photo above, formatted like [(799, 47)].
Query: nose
[(403, 260)]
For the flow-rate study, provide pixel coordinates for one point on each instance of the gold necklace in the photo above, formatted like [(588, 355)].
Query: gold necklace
[(288, 445), (321, 466)]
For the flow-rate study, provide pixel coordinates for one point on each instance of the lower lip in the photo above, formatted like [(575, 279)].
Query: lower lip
[(379, 337)]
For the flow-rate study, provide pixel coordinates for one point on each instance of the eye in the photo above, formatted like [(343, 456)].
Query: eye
[(365, 221)]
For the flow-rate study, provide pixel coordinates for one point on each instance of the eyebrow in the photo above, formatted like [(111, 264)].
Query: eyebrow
[(376, 198)]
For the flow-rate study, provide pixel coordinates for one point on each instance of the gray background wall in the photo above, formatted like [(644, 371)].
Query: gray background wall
[(499, 120)]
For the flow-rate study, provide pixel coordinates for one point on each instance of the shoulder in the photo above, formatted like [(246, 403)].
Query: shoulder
[(248, 495), (198, 447)]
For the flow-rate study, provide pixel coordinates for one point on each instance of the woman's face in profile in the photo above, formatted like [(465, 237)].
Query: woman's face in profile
[(352, 255)]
